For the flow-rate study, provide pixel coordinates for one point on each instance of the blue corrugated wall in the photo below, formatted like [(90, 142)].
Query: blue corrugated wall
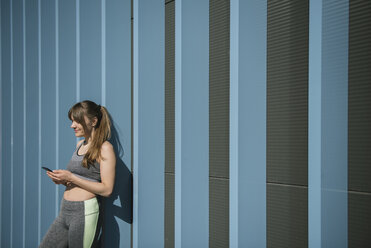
[(57, 52), (53, 54)]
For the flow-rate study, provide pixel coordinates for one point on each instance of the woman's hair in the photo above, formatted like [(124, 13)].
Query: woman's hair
[(102, 128)]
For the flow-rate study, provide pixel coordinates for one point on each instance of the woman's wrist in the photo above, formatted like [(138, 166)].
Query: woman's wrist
[(71, 178)]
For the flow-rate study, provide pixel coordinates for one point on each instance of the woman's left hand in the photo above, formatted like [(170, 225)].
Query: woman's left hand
[(62, 175)]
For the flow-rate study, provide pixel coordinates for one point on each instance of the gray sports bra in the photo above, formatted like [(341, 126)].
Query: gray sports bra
[(75, 166)]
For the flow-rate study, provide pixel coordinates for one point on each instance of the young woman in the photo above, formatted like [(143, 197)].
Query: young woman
[(90, 172)]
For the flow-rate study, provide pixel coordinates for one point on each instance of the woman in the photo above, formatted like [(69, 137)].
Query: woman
[(90, 172)]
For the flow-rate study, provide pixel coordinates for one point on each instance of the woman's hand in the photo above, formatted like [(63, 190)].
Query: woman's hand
[(56, 181), (60, 176)]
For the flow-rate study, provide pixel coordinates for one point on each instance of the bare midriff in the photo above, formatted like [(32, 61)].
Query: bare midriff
[(75, 193)]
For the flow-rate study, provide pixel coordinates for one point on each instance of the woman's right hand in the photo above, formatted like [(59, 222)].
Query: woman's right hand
[(56, 181)]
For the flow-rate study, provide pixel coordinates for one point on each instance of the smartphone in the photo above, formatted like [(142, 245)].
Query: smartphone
[(47, 169)]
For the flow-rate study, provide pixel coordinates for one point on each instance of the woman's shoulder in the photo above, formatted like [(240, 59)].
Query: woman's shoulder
[(107, 146), (107, 151)]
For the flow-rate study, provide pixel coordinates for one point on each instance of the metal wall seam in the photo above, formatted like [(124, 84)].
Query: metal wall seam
[(1, 120), (57, 101), (11, 122), (191, 123), (103, 50), (6, 121), (233, 126), (328, 120), (248, 89), (24, 125), (40, 117), (77, 51)]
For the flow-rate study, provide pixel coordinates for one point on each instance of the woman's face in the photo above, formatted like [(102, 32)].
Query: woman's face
[(79, 129)]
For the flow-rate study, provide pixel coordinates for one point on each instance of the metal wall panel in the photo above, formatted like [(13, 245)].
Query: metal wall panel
[(359, 96), (170, 87), (117, 96), (54, 53), (328, 124), (219, 212), (287, 92), (219, 123), (6, 121), (32, 169), (169, 209), (48, 206), (90, 49), (359, 120), (191, 123), (248, 123), (169, 123), (287, 128), (66, 76), (287, 216), (40, 81), (18, 125), (219, 88), (148, 122), (359, 219)]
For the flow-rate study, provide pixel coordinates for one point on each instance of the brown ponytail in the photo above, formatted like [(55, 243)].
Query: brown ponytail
[(102, 128)]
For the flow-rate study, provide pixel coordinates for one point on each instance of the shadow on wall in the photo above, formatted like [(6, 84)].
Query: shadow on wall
[(120, 204)]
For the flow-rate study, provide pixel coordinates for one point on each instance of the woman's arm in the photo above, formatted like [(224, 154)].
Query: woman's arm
[(107, 173)]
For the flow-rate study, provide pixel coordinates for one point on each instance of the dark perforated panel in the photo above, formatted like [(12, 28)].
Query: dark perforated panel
[(219, 213), (219, 123), (169, 209), (170, 87), (287, 212), (219, 88), (169, 123), (287, 90), (359, 220), (287, 123), (359, 132), (360, 96)]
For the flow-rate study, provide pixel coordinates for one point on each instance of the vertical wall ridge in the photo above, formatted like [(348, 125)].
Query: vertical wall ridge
[(57, 198), (24, 125), (191, 123), (248, 94), (328, 124), (148, 122), (103, 42), (11, 122), (39, 115)]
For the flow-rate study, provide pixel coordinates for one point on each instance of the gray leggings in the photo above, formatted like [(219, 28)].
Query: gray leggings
[(76, 225)]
